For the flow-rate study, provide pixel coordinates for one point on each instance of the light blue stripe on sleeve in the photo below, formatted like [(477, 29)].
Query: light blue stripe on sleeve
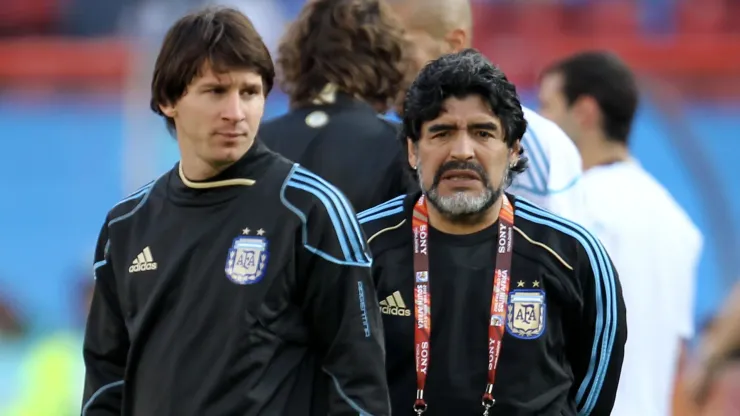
[(344, 396), (381, 214), (602, 274), (96, 266), (333, 216), (355, 231), (97, 394), (392, 203), (341, 215), (352, 227)]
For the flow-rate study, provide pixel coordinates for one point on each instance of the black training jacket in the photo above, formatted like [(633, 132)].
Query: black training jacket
[(346, 143), (565, 326), (248, 294)]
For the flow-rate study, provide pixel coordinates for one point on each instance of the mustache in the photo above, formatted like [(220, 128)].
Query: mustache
[(459, 165)]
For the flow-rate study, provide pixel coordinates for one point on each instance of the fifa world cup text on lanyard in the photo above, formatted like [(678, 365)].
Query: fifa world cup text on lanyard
[(423, 299)]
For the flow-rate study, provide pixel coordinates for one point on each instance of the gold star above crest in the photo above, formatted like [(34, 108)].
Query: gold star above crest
[(520, 283), (536, 283), (261, 231), (245, 231)]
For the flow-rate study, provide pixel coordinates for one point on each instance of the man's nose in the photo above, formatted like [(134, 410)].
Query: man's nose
[(233, 107), (463, 147)]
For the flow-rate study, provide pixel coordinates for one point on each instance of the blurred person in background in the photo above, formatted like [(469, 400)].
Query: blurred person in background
[(52, 370), (237, 282), (11, 325), (341, 63), (712, 382), (436, 27), (14, 339), (486, 296), (593, 97)]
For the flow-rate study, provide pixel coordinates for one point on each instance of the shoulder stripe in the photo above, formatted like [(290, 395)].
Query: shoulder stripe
[(537, 159), (386, 209), (139, 192), (382, 214), (142, 194), (347, 213), (96, 266), (146, 185), (395, 202), (606, 304), (340, 212)]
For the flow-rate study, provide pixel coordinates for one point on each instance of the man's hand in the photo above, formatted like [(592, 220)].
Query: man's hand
[(700, 378), (721, 342), (718, 389)]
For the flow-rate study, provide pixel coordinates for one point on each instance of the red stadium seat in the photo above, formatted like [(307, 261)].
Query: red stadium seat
[(701, 17), (539, 20), (614, 18), (34, 62), (28, 16)]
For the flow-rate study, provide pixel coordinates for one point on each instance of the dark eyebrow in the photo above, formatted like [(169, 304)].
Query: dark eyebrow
[(436, 128), (483, 126), (212, 85), (216, 84)]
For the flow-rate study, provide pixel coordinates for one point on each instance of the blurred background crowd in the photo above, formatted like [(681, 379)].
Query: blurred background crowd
[(77, 135)]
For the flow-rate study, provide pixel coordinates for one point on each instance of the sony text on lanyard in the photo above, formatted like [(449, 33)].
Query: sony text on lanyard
[(423, 298)]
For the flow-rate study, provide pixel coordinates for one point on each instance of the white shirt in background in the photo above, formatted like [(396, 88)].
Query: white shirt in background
[(552, 179), (656, 249)]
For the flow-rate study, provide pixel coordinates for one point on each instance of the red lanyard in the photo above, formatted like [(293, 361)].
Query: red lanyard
[(423, 298)]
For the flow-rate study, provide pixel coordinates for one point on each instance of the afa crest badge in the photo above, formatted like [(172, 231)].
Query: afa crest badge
[(526, 314), (247, 260)]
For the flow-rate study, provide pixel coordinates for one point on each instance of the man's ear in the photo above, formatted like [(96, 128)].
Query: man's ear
[(515, 152), (586, 111), (457, 39), (411, 151), (168, 110)]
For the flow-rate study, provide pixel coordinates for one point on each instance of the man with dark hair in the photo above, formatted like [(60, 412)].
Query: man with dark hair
[(341, 63), (593, 96), (484, 294), (237, 283), (598, 88), (436, 27)]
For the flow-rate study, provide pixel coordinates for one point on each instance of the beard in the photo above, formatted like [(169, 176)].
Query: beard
[(462, 206)]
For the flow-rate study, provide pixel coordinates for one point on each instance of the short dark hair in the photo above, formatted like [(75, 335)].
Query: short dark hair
[(605, 77), (460, 75), (223, 38), (357, 45)]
